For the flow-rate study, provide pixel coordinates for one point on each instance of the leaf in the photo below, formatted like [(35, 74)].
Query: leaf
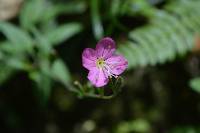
[(195, 84), (17, 63), (168, 35), (96, 20), (41, 11), (138, 125), (133, 7), (185, 129), (43, 44), (5, 73), (32, 12), (20, 39), (63, 33), (115, 7), (73, 7), (6, 47), (60, 72), (53, 10), (42, 78), (43, 83)]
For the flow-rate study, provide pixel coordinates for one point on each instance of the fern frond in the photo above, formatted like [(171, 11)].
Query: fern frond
[(169, 34)]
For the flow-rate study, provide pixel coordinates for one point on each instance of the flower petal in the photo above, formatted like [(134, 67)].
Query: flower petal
[(117, 64), (105, 47), (89, 58), (97, 77)]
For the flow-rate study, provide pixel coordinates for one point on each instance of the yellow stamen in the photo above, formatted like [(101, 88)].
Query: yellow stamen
[(100, 63)]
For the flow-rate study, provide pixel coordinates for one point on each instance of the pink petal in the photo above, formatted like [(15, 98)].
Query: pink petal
[(117, 64), (105, 47), (89, 58), (97, 77)]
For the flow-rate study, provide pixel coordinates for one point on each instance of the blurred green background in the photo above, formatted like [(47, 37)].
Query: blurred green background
[(44, 88)]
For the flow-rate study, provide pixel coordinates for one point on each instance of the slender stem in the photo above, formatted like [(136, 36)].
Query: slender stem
[(99, 96)]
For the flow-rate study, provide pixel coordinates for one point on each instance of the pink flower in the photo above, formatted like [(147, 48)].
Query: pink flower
[(102, 62)]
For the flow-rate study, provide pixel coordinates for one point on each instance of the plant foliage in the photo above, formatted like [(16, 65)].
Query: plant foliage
[(170, 33)]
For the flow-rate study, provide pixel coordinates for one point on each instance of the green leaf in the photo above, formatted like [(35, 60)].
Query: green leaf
[(185, 129), (63, 33), (73, 7), (5, 73), (60, 72), (42, 43), (17, 63), (54, 10), (138, 125), (42, 11), (169, 34), (32, 12), (195, 84), (115, 7), (6, 47), (13, 58), (42, 78), (96, 20), (20, 39), (43, 83)]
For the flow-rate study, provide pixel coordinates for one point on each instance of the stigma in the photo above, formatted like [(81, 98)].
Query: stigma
[(100, 63)]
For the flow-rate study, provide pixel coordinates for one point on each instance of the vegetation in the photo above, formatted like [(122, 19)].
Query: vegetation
[(44, 87)]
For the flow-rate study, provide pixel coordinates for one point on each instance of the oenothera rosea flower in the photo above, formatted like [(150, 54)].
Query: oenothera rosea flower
[(103, 63)]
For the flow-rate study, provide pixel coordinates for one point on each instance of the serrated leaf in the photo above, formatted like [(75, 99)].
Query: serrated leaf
[(167, 35), (63, 33)]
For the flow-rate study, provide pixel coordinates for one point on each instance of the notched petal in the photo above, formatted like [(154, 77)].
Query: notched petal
[(89, 58), (97, 77), (105, 47), (117, 64)]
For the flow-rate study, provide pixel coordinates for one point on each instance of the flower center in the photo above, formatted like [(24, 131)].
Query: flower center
[(100, 63)]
